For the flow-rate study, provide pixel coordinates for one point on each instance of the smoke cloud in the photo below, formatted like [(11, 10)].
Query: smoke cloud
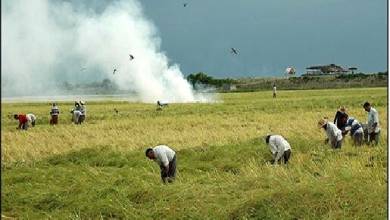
[(45, 43)]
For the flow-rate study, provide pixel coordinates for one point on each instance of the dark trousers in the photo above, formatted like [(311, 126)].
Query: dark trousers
[(286, 156), (357, 138), (171, 170), (24, 126), (81, 119), (374, 137), (336, 144), (370, 137), (54, 120)]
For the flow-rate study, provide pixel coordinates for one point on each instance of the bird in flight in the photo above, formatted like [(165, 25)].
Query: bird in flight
[(131, 57), (234, 51), (114, 71)]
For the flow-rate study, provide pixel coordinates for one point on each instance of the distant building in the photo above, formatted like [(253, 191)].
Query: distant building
[(352, 69), (229, 87), (326, 70)]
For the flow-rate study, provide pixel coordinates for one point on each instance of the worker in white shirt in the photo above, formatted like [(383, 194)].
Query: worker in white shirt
[(274, 91), (165, 157), (161, 105), (350, 124), (334, 135), (372, 123), (279, 147), (76, 113), (83, 110), (31, 118)]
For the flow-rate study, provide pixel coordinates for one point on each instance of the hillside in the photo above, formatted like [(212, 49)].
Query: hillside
[(313, 82)]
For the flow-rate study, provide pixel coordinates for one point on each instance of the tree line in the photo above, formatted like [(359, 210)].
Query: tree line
[(203, 79)]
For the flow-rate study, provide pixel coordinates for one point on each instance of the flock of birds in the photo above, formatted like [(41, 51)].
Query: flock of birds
[(233, 50), (131, 57)]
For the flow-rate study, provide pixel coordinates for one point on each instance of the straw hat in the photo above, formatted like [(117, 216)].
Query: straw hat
[(322, 122), (342, 109)]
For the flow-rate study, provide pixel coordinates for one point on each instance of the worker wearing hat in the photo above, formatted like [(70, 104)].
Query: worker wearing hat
[(341, 112), (334, 136)]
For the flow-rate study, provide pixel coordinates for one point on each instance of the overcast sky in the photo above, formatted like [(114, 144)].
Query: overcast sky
[(271, 35)]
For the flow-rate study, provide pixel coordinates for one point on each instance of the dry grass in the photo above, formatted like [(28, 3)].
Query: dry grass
[(98, 170), (241, 117)]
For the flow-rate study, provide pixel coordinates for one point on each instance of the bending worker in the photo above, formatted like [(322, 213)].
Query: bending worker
[(23, 121), (334, 135), (166, 158), (353, 126), (279, 147)]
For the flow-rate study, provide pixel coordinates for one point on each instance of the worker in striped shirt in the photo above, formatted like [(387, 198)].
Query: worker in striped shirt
[(351, 125), (54, 114)]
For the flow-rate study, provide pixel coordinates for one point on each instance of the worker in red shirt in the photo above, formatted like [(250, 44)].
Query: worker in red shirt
[(23, 121)]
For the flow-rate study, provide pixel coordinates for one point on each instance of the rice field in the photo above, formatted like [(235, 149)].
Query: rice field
[(98, 170)]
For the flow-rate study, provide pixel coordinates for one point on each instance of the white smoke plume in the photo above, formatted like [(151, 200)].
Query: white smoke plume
[(48, 42)]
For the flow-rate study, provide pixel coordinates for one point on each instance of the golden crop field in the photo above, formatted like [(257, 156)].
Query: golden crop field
[(99, 170)]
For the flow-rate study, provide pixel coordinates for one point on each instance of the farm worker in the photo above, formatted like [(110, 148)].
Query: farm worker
[(23, 122), (161, 104), (279, 147), (83, 110), (341, 112), (353, 126), (31, 119), (372, 123), (76, 113), (334, 135), (54, 114), (274, 91), (165, 157)]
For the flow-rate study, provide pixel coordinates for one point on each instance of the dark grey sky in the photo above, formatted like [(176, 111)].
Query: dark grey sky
[(271, 35)]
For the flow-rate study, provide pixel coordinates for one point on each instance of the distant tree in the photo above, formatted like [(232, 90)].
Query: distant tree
[(199, 78), (106, 84), (204, 79)]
